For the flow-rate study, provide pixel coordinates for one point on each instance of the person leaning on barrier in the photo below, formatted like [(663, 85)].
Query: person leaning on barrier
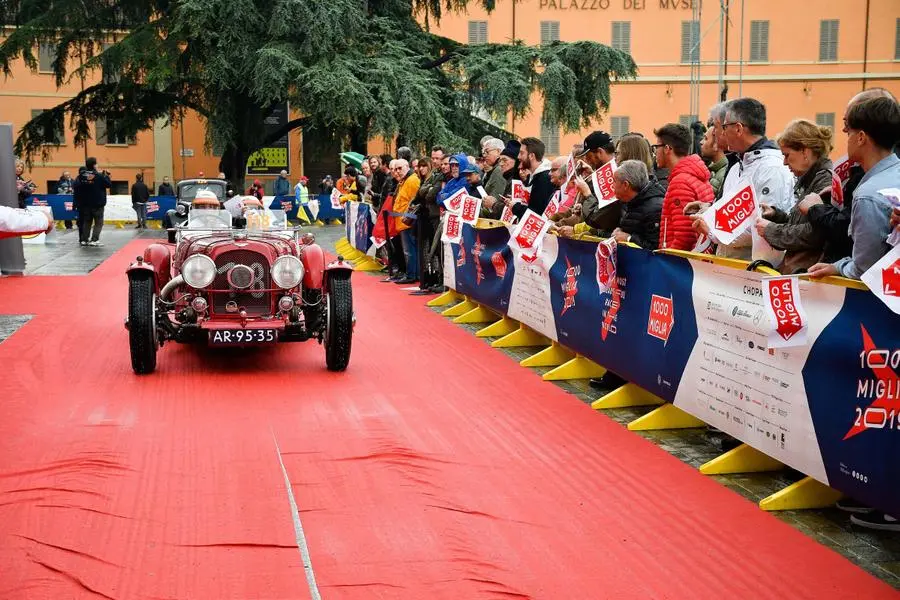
[(494, 181), (873, 129), (531, 157), (834, 220), (805, 146), (598, 150), (643, 200)]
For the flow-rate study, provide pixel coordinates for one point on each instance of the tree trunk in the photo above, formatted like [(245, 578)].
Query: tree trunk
[(234, 165)]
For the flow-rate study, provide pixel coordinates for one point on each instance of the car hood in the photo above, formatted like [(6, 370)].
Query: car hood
[(215, 244)]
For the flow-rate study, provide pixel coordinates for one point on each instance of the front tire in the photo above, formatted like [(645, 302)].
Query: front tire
[(339, 325), (142, 325)]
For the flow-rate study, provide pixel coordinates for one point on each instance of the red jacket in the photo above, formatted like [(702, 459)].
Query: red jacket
[(688, 181)]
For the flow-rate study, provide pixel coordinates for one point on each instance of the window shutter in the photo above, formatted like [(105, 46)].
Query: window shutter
[(690, 34), (825, 120), (620, 126), (477, 32), (101, 132), (550, 137), (897, 41), (46, 55), (686, 120), (549, 31), (759, 41), (828, 39), (621, 36)]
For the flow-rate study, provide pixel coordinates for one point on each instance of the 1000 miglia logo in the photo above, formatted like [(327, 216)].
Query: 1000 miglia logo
[(882, 389)]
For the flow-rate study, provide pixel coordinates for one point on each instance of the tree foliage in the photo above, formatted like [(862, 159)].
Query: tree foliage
[(370, 65)]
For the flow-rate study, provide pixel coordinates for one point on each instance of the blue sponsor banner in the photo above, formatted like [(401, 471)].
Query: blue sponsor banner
[(830, 408), (326, 211), (63, 210), (286, 203), (358, 225)]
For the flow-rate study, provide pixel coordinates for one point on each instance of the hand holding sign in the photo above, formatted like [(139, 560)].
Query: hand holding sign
[(528, 236), (603, 182), (732, 215), (883, 278), (335, 199), (520, 193), (452, 231), (455, 202), (471, 208)]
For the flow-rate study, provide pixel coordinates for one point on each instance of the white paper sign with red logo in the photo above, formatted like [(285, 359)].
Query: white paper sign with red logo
[(788, 324), (732, 215), (528, 235), (520, 193), (553, 205), (452, 231), (603, 182), (893, 194), (662, 317), (507, 216), (883, 278), (454, 203), (335, 199), (606, 264), (471, 208)]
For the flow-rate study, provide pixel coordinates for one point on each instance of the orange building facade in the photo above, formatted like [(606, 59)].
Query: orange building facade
[(802, 59)]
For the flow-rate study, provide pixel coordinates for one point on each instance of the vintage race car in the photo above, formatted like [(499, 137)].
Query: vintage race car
[(222, 285), (186, 191)]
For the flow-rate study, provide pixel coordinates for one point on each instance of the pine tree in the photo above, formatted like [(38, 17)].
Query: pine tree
[(356, 67)]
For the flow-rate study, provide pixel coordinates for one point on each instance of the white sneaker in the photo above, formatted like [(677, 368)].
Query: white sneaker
[(82, 243), (98, 243)]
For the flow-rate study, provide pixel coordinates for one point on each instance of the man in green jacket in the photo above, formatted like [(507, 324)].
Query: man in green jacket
[(493, 180), (715, 160)]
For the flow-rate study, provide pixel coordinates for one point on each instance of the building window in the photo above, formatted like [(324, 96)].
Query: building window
[(549, 31), (825, 120), (110, 76), (46, 56), (550, 137), (478, 32), (110, 133), (759, 41), (897, 41), (690, 41), (621, 36), (688, 120), (619, 126), (828, 40), (55, 136)]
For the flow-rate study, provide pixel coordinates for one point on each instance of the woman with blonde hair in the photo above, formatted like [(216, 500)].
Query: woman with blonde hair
[(634, 146), (805, 147)]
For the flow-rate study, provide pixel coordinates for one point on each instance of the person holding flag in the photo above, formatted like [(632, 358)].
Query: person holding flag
[(598, 150)]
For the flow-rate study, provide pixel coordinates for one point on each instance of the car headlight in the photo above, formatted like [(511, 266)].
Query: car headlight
[(287, 272), (180, 209), (198, 271)]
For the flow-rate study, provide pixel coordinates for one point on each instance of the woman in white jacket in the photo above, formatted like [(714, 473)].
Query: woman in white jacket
[(23, 221)]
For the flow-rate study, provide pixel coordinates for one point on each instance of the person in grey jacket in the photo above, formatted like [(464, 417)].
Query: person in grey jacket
[(805, 146), (494, 181), (873, 128)]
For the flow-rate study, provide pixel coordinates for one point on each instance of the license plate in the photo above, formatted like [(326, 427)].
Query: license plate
[(230, 337)]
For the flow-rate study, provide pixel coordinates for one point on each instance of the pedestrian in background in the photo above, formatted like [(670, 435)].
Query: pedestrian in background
[(140, 195)]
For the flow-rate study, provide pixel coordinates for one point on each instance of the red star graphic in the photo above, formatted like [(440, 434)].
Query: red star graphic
[(884, 374)]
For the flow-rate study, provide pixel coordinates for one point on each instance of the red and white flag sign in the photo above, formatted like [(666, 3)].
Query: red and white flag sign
[(520, 193), (507, 216), (452, 232), (528, 235), (553, 205), (603, 182), (883, 278), (662, 318), (335, 199), (570, 169), (455, 202), (842, 168), (787, 319), (471, 208), (606, 264), (732, 215)]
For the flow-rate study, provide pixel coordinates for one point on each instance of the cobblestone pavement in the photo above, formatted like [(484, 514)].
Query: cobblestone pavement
[(876, 552)]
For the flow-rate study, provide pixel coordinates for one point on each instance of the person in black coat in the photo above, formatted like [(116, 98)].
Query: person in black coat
[(531, 156), (89, 194), (140, 195), (643, 200), (165, 188)]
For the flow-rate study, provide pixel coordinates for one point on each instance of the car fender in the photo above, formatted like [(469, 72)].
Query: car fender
[(313, 260), (157, 259)]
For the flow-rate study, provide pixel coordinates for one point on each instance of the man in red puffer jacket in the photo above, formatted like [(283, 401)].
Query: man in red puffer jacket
[(688, 182)]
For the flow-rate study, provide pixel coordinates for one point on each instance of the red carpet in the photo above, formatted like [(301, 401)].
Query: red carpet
[(435, 467)]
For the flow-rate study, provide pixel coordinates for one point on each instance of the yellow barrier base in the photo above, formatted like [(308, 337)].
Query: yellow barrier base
[(806, 493), (477, 315), (666, 416), (625, 397), (319, 223), (448, 297), (460, 309), (342, 243), (367, 263), (553, 356), (523, 336), (577, 368), (504, 326), (743, 459)]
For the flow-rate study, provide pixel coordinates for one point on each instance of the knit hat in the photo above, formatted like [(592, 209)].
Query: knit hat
[(512, 149)]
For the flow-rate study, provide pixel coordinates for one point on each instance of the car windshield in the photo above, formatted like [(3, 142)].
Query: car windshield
[(265, 219), (187, 191), (208, 218)]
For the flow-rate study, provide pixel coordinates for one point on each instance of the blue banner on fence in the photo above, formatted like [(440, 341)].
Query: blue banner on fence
[(697, 335), (63, 209)]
